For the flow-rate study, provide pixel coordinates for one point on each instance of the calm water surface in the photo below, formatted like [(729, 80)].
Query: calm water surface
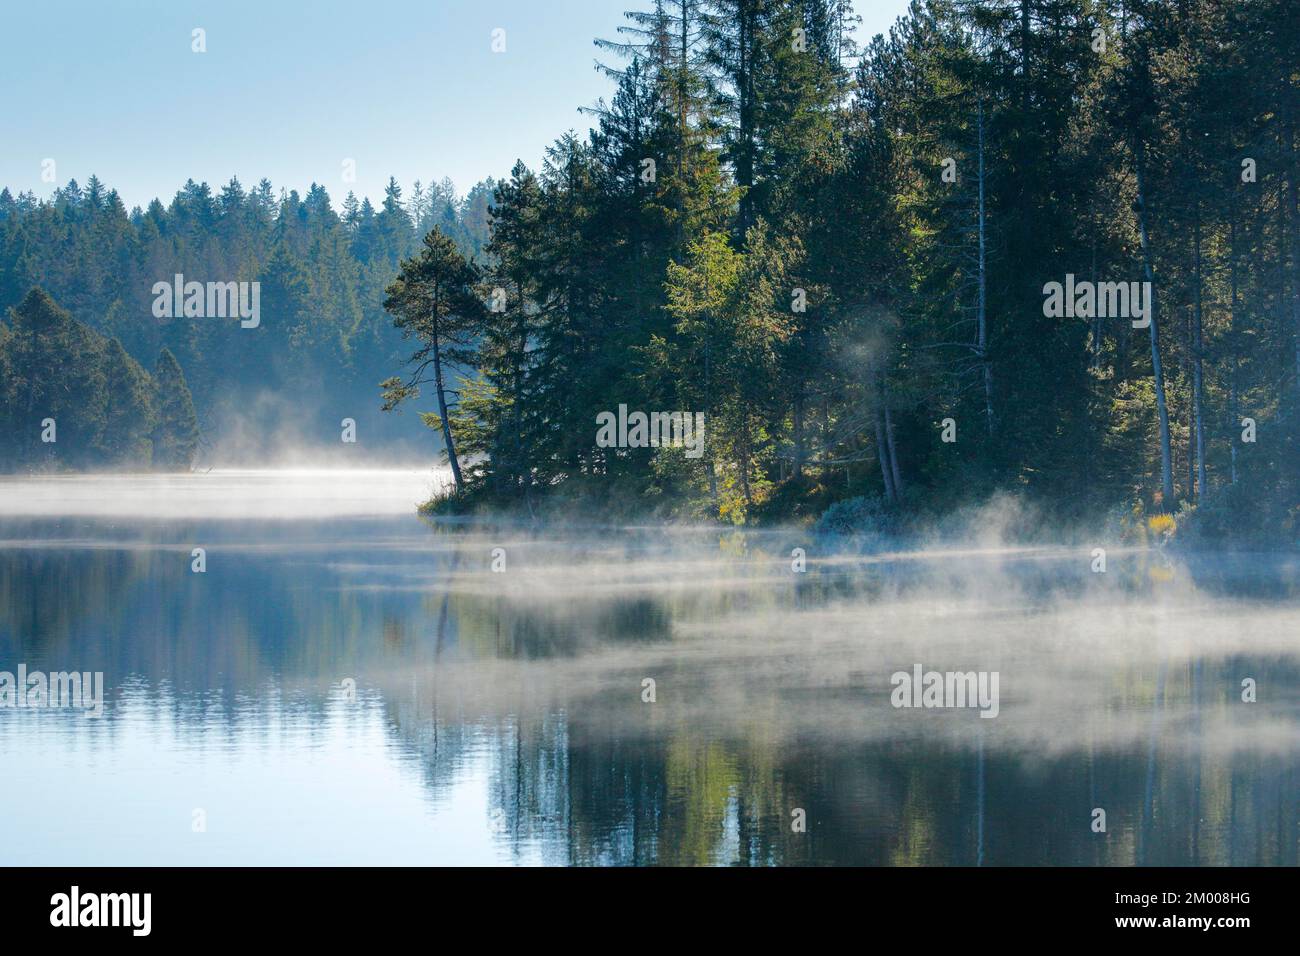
[(497, 718)]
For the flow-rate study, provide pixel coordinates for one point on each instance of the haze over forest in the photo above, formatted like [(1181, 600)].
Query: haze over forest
[(839, 449), (837, 252)]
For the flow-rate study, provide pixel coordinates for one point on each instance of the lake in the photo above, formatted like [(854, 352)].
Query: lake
[(347, 683)]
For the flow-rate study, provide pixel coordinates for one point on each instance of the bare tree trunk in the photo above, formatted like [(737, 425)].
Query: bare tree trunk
[(1190, 487), (523, 472), (708, 416), (1123, 351), (983, 341), (442, 413), (1234, 409), (746, 41), (1288, 199), (1295, 270), (1025, 33), (1197, 362), (882, 452), (798, 436), (893, 451), (1095, 359), (744, 465), (681, 90), (1162, 411)]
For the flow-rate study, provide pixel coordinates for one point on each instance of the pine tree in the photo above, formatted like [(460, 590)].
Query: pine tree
[(176, 436), (61, 364), (130, 417), (433, 300)]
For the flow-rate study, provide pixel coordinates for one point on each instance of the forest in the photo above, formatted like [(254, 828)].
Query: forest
[(324, 342), (839, 253), (71, 398), (846, 259)]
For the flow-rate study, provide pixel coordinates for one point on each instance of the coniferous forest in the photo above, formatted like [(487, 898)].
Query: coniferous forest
[(322, 344), (838, 249), (810, 433)]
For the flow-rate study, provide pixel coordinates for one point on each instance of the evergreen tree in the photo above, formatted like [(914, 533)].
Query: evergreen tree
[(176, 436), (60, 378), (433, 300), (130, 418)]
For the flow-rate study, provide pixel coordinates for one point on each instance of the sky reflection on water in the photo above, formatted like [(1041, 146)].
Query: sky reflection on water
[(498, 717)]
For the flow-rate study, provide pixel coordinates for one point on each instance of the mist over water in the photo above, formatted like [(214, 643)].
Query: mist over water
[(499, 716), (224, 494)]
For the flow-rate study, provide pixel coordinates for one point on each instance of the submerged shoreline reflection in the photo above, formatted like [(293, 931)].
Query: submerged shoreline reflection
[(498, 718)]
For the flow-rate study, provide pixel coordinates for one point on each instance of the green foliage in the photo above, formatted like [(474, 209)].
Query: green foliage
[(1233, 517), (434, 301), (106, 410), (919, 203), (60, 375), (129, 414), (176, 436), (323, 341), (760, 227), (867, 517)]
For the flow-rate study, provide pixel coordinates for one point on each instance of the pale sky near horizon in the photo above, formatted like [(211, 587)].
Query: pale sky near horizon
[(288, 91)]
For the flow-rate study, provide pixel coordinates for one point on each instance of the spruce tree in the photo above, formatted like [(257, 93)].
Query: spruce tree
[(130, 416), (176, 436)]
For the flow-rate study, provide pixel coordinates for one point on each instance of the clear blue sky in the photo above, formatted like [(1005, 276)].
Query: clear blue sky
[(288, 90)]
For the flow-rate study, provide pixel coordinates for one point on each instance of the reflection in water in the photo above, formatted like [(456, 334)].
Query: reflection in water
[(498, 717)]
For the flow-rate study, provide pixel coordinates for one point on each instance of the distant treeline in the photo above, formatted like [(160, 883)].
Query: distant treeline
[(842, 258), (323, 342), (71, 398)]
